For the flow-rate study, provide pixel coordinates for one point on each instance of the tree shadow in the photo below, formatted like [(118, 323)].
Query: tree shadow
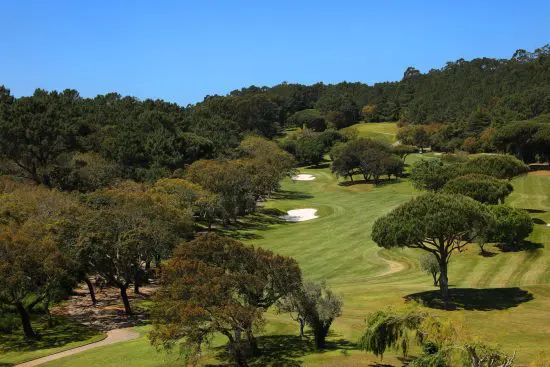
[(518, 247), (535, 211), (474, 299), (283, 350), (319, 166), (63, 333), (290, 195), (260, 220), (487, 253), (538, 221), (380, 183)]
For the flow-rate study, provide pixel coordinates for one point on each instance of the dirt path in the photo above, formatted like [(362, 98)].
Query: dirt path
[(393, 267), (113, 336)]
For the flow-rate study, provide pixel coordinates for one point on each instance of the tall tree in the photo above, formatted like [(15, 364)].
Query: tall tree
[(124, 229), (38, 129), (437, 223), (33, 268), (219, 285)]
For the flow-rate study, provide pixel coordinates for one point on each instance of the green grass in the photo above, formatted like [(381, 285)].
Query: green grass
[(14, 348), (136, 352), (511, 306), (377, 130)]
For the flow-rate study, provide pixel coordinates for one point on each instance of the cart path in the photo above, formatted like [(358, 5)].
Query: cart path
[(113, 336)]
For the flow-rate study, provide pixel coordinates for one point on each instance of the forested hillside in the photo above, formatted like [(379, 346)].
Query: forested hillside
[(50, 135)]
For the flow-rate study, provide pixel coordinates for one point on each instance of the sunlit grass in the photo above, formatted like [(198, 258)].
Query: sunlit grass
[(337, 248)]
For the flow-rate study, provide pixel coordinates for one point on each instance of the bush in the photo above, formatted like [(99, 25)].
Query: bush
[(431, 175), (497, 165), (512, 225), (483, 188)]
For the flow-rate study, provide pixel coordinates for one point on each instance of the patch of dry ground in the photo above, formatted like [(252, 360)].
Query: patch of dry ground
[(108, 313)]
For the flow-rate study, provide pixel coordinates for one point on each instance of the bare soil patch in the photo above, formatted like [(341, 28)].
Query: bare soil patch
[(108, 313)]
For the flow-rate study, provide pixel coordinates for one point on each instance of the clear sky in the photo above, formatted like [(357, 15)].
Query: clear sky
[(183, 50)]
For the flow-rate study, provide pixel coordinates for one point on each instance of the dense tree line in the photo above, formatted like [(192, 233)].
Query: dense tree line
[(468, 101)]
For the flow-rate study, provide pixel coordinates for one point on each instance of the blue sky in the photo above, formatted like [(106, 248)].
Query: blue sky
[(183, 50)]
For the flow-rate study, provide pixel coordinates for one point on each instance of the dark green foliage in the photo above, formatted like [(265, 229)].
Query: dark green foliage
[(369, 157), (309, 150), (483, 188), (437, 223), (498, 165), (389, 330), (511, 225), (431, 175), (35, 130), (527, 140), (314, 305), (402, 151), (417, 135), (310, 118), (341, 110)]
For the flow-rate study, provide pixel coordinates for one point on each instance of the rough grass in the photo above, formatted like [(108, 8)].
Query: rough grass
[(503, 299)]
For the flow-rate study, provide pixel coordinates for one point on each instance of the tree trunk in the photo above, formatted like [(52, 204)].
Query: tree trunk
[(148, 265), (90, 289), (49, 314), (137, 281), (443, 281), (436, 281), (25, 321), (320, 332), (240, 360), (302, 324), (235, 348), (482, 249), (127, 308), (253, 343)]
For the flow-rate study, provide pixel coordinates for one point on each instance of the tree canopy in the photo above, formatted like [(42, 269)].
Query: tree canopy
[(215, 285), (483, 188), (437, 223)]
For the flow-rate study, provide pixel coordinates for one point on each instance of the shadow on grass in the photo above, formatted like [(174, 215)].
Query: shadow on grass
[(283, 350), (290, 195), (474, 299), (319, 166), (535, 211), (261, 220), (523, 246), (487, 253), (538, 221), (380, 183), (63, 333)]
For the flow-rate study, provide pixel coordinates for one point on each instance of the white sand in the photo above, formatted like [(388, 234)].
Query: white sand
[(303, 177), (300, 215)]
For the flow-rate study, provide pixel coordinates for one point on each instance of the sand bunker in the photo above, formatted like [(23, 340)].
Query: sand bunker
[(300, 215), (303, 177)]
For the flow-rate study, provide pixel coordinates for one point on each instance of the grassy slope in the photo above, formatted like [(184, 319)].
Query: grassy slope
[(377, 130), (337, 247)]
